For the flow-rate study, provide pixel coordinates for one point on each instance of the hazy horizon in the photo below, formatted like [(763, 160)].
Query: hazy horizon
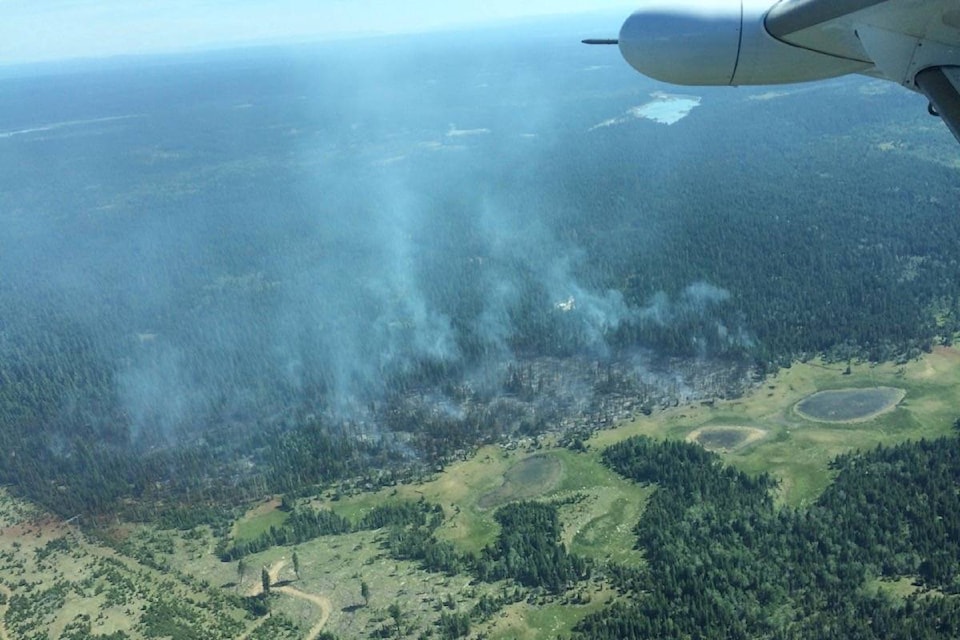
[(85, 29)]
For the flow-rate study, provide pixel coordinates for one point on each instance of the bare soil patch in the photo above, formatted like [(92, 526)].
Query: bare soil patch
[(725, 438), (849, 405)]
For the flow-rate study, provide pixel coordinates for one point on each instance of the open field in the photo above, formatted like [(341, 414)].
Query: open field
[(522, 622), (327, 595), (259, 520), (797, 450), (900, 587), (597, 525), (57, 581), (529, 478), (277, 585)]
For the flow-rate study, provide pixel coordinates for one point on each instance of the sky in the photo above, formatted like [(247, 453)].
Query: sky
[(47, 30)]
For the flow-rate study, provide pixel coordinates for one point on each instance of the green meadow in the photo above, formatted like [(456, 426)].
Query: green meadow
[(760, 432)]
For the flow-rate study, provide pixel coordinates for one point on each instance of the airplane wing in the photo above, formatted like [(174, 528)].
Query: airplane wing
[(915, 43)]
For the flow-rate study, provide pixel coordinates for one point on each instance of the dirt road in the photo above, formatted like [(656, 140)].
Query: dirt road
[(274, 572), (256, 587), (321, 601)]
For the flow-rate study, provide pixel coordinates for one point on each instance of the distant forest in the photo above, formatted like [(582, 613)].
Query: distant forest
[(178, 327)]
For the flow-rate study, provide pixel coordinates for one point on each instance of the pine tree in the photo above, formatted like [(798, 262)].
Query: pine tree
[(396, 613), (241, 570), (265, 580)]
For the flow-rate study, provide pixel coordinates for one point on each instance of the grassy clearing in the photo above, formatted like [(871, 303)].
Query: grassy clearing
[(603, 530), (899, 588), (460, 490), (456, 490), (600, 525), (529, 478), (258, 521), (253, 528), (56, 578), (599, 522), (522, 621), (333, 568), (797, 450)]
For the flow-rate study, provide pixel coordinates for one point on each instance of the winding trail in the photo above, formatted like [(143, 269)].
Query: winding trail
[(274, 572), (3, 611), (323, 602)]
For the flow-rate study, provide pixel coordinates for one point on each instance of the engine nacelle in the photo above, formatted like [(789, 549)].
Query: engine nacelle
[(719, 42)]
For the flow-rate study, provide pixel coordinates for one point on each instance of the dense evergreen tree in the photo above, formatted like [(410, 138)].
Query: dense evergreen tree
[(528, 549), (453, 625), (301, 525), (722, 561), (265, 581)]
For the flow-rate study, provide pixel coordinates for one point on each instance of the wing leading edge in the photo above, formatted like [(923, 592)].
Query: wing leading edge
[(915, 43)]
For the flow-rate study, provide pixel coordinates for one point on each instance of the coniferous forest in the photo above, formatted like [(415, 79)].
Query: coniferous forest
[(723, 562)]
